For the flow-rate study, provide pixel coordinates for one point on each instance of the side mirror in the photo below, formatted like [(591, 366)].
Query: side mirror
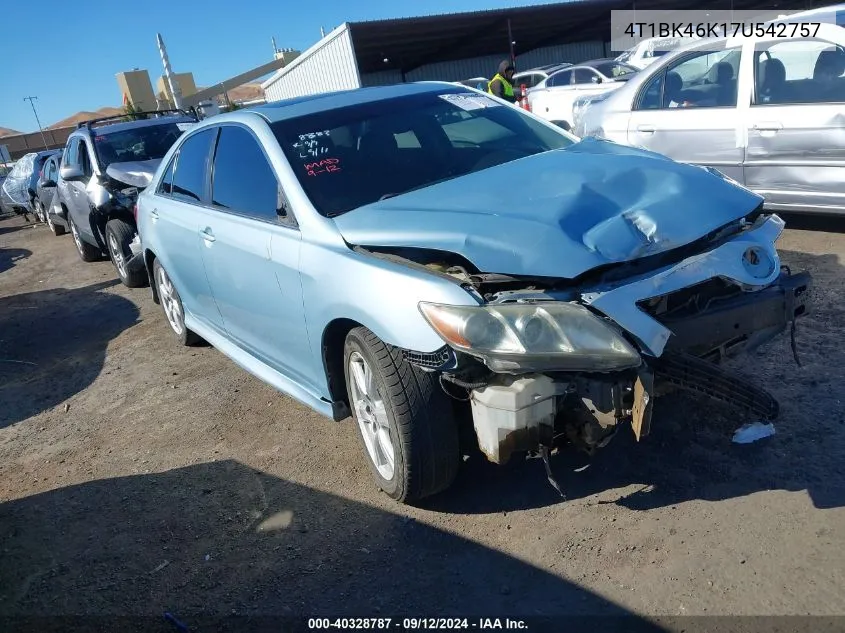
[(48, 183), (71, 173)]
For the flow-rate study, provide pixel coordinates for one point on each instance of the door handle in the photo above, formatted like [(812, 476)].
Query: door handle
[(768, 126), (154, 215), (207, 235), (647, 128)]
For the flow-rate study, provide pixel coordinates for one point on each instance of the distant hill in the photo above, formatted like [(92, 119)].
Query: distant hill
[(86, 116), (4, 131)]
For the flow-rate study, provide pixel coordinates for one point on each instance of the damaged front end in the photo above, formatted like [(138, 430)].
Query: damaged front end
[(543, 361), (114, 195)]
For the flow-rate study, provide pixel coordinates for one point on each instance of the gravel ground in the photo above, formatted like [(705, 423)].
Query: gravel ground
[(138, 477)]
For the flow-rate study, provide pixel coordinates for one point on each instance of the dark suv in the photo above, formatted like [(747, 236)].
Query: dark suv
[(106, 162)]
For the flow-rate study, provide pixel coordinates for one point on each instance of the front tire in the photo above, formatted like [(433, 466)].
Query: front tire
[(171, 303), (87, 252), (404, 418), (119, 234)]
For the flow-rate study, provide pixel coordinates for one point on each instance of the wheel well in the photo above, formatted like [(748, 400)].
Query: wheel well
[(149, 258), (334, 338)]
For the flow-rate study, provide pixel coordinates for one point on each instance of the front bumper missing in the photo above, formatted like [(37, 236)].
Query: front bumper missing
[(621, 302), (753, 318), (677, 351)]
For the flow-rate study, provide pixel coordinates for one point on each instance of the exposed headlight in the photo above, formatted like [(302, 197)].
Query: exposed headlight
[(517, 336)]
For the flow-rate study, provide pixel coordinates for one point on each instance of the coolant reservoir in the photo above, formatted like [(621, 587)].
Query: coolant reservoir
[(513, 413)]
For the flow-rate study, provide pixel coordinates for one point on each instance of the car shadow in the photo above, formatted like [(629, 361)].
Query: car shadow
[(11, 256), (55, 331), (219, 539), (689, 454), (12, 223)]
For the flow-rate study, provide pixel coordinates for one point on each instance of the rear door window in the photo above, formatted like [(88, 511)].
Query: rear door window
[(243, 181), (560, 79), (802, 71), (191, 170), (586, 76)]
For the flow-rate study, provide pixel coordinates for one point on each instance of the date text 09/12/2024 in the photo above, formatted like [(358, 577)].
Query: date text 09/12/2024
[(721, 29), (418, 624)]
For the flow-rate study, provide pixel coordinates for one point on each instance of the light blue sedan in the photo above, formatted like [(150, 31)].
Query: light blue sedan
[(424, 256)]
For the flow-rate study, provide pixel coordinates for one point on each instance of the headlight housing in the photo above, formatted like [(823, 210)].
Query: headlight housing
[(533, 336)]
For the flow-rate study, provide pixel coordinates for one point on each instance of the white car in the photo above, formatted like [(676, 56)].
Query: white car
[(535, 76), (764, 111), (651, 49), (553, 98)]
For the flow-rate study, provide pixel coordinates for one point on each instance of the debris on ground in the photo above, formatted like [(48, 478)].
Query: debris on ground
[(748, 433)]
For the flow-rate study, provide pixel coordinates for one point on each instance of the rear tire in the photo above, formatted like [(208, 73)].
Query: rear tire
[(408, 405), (171, 303), (57, 229), (119, 234), (87, 252), (40, 215)]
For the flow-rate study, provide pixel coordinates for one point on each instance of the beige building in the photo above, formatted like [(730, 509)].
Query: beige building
[(186, 86), (137, 89)]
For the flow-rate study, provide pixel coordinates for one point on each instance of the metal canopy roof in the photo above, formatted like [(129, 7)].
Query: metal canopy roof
[(408, 43)]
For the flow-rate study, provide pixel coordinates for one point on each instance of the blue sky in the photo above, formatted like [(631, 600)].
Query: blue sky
[(71, 53)]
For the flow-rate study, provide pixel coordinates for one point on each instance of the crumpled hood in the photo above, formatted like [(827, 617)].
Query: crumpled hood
[(137, 173), (559, 213)]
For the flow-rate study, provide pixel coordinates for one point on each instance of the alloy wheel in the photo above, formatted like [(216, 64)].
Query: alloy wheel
[(371, 415), (117, 255), (170, 302), (77, 240)]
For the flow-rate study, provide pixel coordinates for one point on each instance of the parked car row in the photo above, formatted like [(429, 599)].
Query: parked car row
[(553, 98), (19, 189), (90, 187), (525, 78)]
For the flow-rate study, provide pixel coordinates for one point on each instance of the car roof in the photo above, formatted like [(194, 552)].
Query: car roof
[(120, 126), (597, 62), (550, 67), (312, 104)]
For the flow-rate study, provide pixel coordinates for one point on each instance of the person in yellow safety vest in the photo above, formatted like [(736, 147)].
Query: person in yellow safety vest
[(501, 85)]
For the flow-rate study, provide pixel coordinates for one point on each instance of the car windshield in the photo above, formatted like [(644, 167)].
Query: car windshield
[(140, 143), (352, 156), (615, 70)]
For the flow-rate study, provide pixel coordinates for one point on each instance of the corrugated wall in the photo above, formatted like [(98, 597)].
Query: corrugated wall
[(383, 78), (328, 65), (486, 66)]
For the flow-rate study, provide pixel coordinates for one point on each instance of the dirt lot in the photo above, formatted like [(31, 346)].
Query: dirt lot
[(138, 477)]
